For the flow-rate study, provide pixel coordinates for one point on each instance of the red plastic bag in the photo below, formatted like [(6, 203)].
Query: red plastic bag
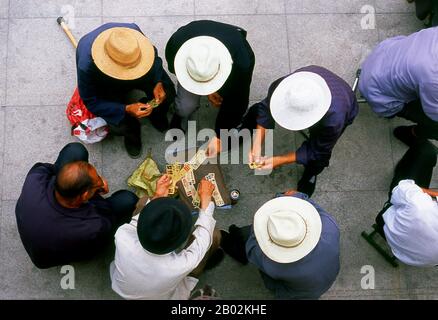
[(85, 125)]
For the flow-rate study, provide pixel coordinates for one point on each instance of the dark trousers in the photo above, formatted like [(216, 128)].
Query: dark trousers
[(425, 7), (121, 203), (426, 127), (417, 164)]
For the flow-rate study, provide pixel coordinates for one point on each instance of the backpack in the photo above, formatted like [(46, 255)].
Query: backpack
[(85, 126)]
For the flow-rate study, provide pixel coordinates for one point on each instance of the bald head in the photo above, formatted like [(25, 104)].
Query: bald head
[(74, 179)]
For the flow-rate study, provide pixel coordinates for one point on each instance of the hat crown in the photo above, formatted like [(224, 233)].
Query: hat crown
[(123, 48), (202, 63), (302, 96), (286, 228)]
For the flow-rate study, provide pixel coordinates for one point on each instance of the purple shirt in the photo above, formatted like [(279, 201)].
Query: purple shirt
[(326, 132), (400, 70)]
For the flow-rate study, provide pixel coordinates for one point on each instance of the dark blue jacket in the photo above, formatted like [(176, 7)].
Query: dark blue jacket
[(54, 235), (325, 133), (103, 95)]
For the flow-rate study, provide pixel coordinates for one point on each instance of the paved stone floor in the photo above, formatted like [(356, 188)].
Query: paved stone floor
[(37, 78)]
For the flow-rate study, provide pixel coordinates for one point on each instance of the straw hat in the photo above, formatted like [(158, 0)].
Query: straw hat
[(202, 65), (287, 229), (123, 53), (300, 100)]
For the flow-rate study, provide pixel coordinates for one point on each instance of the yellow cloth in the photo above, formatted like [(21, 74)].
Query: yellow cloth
[(144, 178)]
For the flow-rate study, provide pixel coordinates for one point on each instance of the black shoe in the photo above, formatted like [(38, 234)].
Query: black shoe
[(307, 186), (215, 259), (406, 135), (133, 147), (233, 247)]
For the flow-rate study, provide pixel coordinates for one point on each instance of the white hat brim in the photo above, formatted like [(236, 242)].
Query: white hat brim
[(289, 118), (283, 254), (208, 87)]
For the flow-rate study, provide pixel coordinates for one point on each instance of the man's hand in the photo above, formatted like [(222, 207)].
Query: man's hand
[(254, 155), (138, 110), (163, 185), (215, 99), (206, 189), (269, 163), (214, 147), (290, 192), (159, 93)]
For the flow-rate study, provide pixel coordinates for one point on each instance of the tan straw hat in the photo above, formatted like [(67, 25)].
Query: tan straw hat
[(202, 65), (300, 100), (123, 53), (287, 229)]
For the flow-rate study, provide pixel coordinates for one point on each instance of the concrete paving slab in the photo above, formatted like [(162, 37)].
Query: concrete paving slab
[(341, 45), (146, 8), (4, 8), (321, 6), (55, 8), (394, 6), (41, 62), (248, 7), (355, 212), (2, 150), (268, 39), (392, 25), (35, 135), (3, 55), (364, 151)]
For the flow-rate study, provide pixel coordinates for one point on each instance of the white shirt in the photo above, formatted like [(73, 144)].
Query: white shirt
[(139, 274), (411, 225)]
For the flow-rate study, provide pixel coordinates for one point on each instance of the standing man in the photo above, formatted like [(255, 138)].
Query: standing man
[(311, 97), (113, 62), (61, 215), (293, 242), (211, 59), (409, 219), (161, 253), (399, 79)]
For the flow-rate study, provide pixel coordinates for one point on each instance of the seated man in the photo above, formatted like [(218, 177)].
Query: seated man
[(61, 215), (399, 79), (158, 254), (409, 220), (311, 97), (293, 242), (211, 59), (113, 62)]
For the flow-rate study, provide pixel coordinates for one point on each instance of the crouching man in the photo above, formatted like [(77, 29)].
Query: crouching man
[(160, 253)]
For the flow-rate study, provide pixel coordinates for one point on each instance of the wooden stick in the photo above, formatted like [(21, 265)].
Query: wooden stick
[(67, 31)]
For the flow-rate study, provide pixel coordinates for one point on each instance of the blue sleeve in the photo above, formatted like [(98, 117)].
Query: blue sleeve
[(319, 146), (113, 112)]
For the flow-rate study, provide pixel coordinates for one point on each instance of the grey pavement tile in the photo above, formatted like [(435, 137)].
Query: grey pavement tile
[(41, 61), (340, 46), (4, 8), (54, 8), (355, 212), (160, 29), (268, 39), (20, 279), (361, 159), (206, 7), (35, 135), (145, 8), (3, 54), (419, 281), (321, 6), (392, 25), (386, 6), (2, 151)]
